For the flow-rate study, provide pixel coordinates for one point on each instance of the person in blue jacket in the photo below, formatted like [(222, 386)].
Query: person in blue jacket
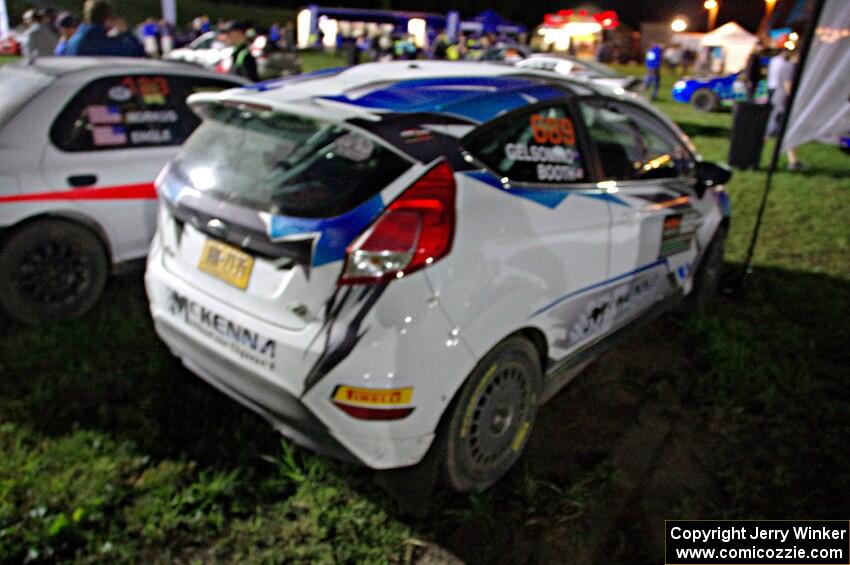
[(94, 37), (274, 34), (653, 70), (67, 26)]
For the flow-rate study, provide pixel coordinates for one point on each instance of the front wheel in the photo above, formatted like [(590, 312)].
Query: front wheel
[(492, 417), (51, 270), (705, 100)]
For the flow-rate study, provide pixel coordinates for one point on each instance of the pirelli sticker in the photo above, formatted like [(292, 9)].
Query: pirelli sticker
[(373, 397)]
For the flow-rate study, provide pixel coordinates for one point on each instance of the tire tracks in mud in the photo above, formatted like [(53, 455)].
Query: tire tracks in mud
[(627, 411)]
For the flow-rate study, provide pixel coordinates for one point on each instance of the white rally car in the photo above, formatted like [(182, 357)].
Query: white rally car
[(581, 70), (81, 141), (207, 51), (406, 259)]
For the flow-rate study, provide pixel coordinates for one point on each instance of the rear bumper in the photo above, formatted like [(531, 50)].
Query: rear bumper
[(281, 409), (402, 343)]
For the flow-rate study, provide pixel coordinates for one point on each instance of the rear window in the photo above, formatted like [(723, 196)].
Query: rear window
[(285, 164), (17, 87)]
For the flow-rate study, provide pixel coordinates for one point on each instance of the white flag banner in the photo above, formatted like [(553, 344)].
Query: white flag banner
[(821, 109), (4, 19), (169, 11)]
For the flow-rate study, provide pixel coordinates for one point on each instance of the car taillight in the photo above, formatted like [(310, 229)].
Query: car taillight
[(414, 231)]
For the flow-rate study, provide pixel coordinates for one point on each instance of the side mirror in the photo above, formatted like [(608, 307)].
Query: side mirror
[(710, 175)]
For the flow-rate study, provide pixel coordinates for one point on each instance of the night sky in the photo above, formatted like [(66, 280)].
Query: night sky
[(530, 12)]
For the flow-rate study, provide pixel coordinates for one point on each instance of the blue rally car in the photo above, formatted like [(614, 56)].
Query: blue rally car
[(711, 93)]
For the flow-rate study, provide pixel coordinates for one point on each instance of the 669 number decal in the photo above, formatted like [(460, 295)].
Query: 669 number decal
[(554, 131)]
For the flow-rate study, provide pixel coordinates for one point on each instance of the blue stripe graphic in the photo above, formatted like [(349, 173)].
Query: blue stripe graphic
[(545, 196), (605, 196), (598, 285), (725, 203), (335, 234), (476, 98)]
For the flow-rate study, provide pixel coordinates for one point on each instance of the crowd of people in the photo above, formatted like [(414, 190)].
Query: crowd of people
[(99, 32), (403, 46), (102, 32)]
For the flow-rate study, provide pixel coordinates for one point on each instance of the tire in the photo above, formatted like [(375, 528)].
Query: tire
[(708, 275), (51, 270), (705, 100), (492, 416)]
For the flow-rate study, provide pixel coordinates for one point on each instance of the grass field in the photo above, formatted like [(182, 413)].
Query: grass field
[(113, 452)]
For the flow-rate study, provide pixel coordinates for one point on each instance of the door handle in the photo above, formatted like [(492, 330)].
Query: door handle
[(82, 180)]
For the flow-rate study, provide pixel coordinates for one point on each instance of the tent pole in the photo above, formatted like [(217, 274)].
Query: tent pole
[(738, 282)]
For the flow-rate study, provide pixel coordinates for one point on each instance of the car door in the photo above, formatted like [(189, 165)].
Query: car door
[(654, 224), (110, 141), (533, 230)]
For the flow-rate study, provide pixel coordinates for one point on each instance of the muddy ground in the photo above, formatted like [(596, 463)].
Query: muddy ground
[(613, 454)]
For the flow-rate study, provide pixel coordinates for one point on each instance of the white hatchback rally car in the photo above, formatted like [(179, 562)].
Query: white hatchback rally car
[(403, 257), (81, 141)]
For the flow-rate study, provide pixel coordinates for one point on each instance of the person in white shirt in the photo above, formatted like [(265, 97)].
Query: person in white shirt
[(780, 76), (779, 70)]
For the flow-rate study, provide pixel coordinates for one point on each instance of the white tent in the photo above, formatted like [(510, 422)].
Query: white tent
[(736, 42)]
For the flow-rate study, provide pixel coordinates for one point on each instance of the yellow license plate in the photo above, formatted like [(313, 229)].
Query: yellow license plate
[(227, 263)]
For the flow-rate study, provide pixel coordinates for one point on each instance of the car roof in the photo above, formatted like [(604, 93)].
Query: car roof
[(475, 91), (200, 39), (62, 66)]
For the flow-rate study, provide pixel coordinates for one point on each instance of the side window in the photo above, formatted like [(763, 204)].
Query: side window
[(633, 145), (130, 111), (536, 146)]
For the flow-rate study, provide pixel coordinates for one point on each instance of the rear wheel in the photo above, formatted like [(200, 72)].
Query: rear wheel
[(52, 270), (492, 417), (705, 100)]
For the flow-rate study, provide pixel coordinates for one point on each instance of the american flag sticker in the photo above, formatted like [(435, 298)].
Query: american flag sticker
[(103, 136), (102, 114)]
